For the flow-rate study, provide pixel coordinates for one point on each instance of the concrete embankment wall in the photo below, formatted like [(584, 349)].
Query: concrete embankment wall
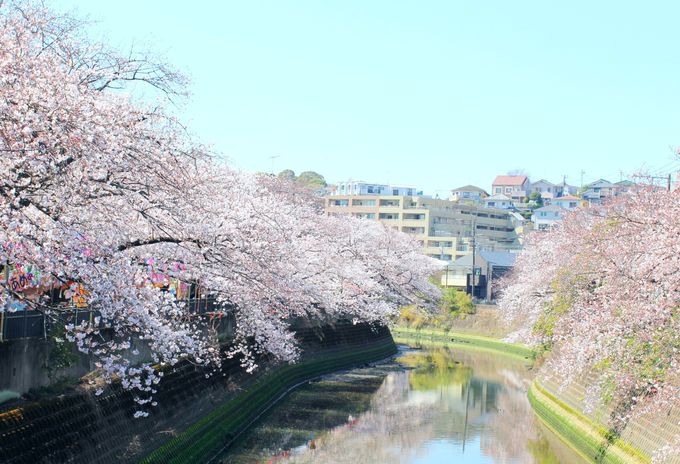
[(195, 417), (562, 409)]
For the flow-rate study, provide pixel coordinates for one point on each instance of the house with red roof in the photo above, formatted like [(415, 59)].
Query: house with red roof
[(514, 187)]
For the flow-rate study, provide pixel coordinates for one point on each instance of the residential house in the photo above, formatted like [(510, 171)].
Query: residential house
[(624, 186), (489, 266), (563, 189), (596, 192), (569, 202), (515, 187), (468, 194), (545, 188), (547, 216), (498, 201)]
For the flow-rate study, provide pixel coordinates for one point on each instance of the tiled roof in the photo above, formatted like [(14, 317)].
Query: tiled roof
[(510, 180), (567, 197)]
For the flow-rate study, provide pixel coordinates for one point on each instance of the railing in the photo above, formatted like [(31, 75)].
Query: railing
[(34, 324)]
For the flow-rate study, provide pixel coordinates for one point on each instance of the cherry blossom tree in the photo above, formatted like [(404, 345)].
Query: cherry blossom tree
[(602, 292), (108, 194)]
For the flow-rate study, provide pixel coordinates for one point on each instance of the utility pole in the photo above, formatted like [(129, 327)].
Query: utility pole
[(666, 178), (273, 157), (582, 172), (474, 248)]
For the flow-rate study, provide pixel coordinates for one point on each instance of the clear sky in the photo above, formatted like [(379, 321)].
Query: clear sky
[(436, 94)]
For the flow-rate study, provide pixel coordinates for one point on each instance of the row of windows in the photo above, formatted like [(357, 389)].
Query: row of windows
[(499, 229)]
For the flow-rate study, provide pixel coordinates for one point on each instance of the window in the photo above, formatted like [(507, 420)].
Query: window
[(508, 189), (543, 214), (499, 190), (395, 191), (572, 204)]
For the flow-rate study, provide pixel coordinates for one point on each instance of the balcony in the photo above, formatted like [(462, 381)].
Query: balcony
[(413, 230), (338, 203), (390, 203)]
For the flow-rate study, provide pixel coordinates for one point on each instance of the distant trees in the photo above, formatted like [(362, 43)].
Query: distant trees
[(309, 179), (535, 200), (287, 174)]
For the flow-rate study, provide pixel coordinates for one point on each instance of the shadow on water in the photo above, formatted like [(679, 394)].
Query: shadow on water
[(426, 406)]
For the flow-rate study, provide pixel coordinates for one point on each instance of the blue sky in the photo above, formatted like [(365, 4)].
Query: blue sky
[(431, 93)]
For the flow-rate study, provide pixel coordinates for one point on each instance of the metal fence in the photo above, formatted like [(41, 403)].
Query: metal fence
[(34, 324)]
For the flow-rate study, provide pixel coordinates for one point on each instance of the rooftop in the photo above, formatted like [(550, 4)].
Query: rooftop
[(497, 197), (510, 180), (495, 258), (469, 188), (542, 181), (550, 208)]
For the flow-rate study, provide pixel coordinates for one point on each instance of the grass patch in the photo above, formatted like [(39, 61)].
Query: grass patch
[(439, 337)]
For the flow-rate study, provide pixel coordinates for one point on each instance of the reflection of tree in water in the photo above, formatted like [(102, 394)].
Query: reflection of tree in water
[(508, 435), (435, 368), (447, 395)]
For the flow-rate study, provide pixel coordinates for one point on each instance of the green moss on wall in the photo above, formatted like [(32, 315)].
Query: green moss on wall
[(207, 437)]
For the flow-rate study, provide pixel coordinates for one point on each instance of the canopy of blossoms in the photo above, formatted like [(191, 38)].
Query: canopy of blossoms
[(108, 196), (602, 292)]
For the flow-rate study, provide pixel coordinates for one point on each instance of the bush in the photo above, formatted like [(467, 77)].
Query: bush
[(457, 303)]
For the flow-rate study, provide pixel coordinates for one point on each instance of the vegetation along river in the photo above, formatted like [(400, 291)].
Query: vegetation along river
[(427, 405)]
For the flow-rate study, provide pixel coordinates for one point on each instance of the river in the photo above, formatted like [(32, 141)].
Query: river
[(425, 406)]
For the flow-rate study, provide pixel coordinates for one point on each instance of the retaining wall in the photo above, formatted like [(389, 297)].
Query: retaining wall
[(195, 417), (563, 410)]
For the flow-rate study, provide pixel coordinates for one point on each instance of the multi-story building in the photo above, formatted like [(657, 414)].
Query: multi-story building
[(367, 188), (515, 187), (445, 229)]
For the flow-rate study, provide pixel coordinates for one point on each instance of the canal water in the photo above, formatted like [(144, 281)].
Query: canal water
[(426, 406)]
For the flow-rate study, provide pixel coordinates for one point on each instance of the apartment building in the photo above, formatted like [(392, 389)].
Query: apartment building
[(445, 229), (371, 188)]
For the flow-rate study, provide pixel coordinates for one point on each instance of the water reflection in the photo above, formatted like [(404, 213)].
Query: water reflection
[(429, 406)]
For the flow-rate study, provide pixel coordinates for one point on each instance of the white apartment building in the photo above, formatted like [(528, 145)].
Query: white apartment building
[(368, 188)]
